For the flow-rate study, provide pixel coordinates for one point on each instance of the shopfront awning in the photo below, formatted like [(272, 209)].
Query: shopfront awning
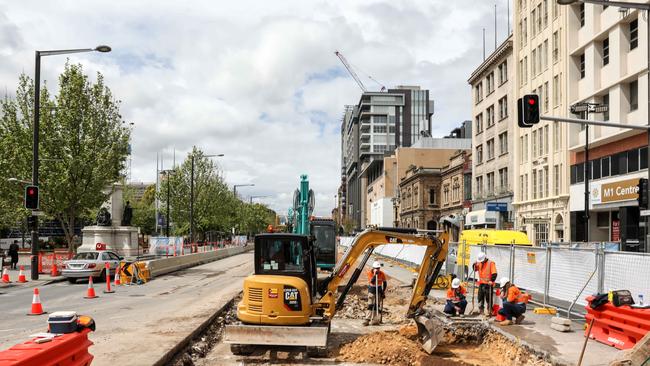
[(480, 218)]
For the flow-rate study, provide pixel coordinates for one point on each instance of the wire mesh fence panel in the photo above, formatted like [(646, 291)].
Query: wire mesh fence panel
[(530, 268), (500, 255), (570, 270), (628, 271), (450, 263)]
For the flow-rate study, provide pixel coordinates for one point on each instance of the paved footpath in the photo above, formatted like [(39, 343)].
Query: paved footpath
[(137, 324)]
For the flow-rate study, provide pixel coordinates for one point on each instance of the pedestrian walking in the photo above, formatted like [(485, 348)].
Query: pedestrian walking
[(377, 285), (456, 302), (514, 302), (487, 275), (13, 253)]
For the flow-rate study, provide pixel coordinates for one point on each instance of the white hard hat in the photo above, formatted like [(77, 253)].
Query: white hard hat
[(503, 281), (455, 283), (376, 264), (481, 257)]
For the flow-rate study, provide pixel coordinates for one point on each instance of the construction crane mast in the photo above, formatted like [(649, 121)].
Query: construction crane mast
[(354, 75)]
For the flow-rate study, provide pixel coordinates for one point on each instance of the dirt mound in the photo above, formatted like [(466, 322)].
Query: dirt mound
[(509, 352), (395, 304), (399, 347)]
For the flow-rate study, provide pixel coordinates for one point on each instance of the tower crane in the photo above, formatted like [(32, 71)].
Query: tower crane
[(354, 75)]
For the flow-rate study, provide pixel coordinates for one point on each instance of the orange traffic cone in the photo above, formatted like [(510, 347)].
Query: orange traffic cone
[(55, 270), (90, 294), (117, 276), (21, 275), (37, 308), (5, 276)]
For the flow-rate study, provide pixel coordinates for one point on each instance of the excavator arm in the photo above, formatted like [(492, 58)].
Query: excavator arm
[(363, 245)]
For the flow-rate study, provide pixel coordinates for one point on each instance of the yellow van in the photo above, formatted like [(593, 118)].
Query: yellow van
[(488, 237)]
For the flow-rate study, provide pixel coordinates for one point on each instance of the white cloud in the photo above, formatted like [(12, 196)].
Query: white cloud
[(255, 80)]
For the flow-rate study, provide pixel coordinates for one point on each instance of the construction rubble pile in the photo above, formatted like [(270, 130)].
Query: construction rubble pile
[(464, 345), (394, 307)]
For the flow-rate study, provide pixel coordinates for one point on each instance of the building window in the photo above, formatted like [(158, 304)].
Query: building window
[(545, 2), (479, 154), (606, 102), (533, 142), (490, 116), (541, 230), (479, 92), (521, 187), (525, 71), (490, 149), (533, 64), (534, 184), (503, 72), (546, 96), (467, 187), (546, 139), (581, 14), (379, 128), (557, 136), (632, 161), (605, 51), (546, 181), (490, 82), (503, 143), (539, 59), (503, 108), (533, 23), (634, 95), (556, 46), (479, 186), (582, 66), (545, 55), (524, 31), (490, 183), (479, 123), (525, 149), (539, 18), (503, 180), (432, 194), (644, 158), (634, 34), (525, 186), (605, 167), (556, 90), (556, 179)]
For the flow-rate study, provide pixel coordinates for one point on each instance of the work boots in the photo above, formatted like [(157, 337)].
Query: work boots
[(505, 322), (519, 319)]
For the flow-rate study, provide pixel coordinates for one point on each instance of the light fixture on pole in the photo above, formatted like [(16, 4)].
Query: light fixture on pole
[(37, 116), (253, 197), (192, 192), (234, 187)]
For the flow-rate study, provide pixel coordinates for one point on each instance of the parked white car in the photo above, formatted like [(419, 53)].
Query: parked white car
[(93, 263)]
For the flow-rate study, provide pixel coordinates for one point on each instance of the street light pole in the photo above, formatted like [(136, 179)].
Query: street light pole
[(37, 118)]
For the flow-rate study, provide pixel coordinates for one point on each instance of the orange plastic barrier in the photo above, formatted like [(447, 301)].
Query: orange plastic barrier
[(47, 260), (620, 326), (66, 350)]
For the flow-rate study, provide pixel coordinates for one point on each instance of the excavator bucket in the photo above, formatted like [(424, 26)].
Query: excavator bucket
[(430, 332)]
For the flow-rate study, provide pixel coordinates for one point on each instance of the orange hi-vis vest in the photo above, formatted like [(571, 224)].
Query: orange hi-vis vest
[(381, 278), (515, 295), (485, 271), (453, 294)]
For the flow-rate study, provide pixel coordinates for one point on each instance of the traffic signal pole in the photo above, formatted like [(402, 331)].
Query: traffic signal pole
[(37, 118)]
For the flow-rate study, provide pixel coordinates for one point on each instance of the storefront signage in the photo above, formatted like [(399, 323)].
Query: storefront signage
[(616, 230), (497, 206), (624, 190)]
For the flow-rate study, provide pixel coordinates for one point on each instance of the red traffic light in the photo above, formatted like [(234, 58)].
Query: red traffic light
[(31, 191), (31, 197), (531, 101)]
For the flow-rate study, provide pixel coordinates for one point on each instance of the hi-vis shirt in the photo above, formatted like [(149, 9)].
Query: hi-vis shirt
[(381, 278)]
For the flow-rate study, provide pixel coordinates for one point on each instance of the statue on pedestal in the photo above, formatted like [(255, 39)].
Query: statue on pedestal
[(103, 217)]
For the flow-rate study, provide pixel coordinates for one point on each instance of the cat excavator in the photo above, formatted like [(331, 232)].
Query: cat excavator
[(284, 302)]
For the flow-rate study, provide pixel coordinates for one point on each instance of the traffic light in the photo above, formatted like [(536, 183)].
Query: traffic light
[(31, 197), (642, 199), (528, 110)]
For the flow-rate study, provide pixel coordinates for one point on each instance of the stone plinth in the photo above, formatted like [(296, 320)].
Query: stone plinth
[(120, 239)]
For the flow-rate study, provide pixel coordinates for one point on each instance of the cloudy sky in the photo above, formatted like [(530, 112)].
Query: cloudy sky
[(255, 80)]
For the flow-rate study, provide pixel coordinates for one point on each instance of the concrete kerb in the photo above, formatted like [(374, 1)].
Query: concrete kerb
[(169, 355), (164, 266)]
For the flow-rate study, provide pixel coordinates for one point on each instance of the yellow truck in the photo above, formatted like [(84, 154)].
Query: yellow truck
[(489, 237)]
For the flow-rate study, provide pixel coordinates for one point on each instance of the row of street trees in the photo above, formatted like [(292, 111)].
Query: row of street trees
[(216, 209), (84, 144)]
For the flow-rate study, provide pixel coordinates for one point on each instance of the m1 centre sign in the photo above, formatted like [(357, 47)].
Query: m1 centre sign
[(624, 190)]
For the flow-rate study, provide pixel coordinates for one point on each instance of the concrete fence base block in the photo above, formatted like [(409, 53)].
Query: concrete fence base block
[(561, 327), (561, 321), (158, 267)]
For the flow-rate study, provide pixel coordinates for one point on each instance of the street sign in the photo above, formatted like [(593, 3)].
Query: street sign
[(645, 212), (497, 206)]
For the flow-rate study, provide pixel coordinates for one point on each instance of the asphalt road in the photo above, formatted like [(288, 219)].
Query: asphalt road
[(137, 324)]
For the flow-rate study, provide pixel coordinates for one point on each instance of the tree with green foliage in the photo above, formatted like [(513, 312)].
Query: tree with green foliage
[(83, 146)]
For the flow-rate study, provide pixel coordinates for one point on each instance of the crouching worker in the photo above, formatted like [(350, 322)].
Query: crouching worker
[(514, 302), (456, 302)]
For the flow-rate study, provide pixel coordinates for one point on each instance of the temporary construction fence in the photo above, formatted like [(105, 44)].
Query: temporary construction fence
[(556, 275), (174, 246), (47, 260)]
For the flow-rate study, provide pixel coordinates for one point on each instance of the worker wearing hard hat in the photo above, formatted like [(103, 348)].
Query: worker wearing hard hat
[(487, 274), (376, 292), (514, 302), (456, 302)]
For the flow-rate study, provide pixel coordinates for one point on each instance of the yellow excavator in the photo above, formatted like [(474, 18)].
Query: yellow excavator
[(285, 303)]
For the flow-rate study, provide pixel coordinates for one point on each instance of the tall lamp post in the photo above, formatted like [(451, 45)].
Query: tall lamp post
[(250, 199), (234, 187), (192, 194), (167, 174), (638, 6), (37, 117)]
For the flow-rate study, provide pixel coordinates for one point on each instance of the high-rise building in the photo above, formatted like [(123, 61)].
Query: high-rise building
[(377, 125), (607, 64), (541, 52), (492, 139)]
